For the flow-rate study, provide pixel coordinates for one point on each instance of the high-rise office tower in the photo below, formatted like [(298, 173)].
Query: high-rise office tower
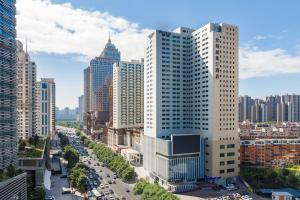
[(86, 89), (8, 85), (128, 94), (191, 105), (101, 71), (45, 101), (80, 108), (26, 77)]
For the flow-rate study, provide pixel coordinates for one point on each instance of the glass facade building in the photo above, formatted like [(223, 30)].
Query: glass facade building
[(8, 86), (101, 71)]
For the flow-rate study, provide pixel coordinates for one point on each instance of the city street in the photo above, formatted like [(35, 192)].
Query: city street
[(120, 189)]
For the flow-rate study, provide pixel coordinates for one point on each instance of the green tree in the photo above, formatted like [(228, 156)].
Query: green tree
[(81, 182), (37, 194), (293, 180), (140, 186), (71, 155), (10, 171), (22, 145)]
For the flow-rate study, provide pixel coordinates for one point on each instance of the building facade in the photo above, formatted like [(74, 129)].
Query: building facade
[(191, 90), (45, 98), (26, 77), (86, 89), (98, 91), (8, 85), (128, 94), (101, 71), (80, 108), (269, 151), (14, 188)]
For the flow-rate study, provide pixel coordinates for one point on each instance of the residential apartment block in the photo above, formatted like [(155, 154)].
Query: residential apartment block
[(26, 77), (45, 98), (128, 94), (269, 151), (191, 106)]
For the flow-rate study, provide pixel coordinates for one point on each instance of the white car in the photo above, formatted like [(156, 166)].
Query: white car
[(102, 186)]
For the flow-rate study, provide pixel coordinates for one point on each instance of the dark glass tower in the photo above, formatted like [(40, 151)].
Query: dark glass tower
[(8, 89)]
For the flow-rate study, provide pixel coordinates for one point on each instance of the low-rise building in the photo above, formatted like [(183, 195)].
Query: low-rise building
[(269, 151), (127, 142), (34, 164)]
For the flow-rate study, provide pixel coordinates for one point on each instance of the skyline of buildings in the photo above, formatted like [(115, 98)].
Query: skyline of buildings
[(277, 108)]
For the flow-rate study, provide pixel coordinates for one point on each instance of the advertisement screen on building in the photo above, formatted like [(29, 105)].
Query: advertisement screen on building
[(184, 144)]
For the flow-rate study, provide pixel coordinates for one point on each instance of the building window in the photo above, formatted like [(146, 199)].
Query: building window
[(230, 170)]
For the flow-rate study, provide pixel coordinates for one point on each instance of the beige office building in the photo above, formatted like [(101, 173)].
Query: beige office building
[(26, 79)]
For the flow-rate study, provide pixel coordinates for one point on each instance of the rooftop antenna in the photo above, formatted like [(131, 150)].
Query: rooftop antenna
[(109, 37)]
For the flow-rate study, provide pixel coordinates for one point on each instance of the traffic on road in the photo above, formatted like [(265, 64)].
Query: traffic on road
[(102, 183)]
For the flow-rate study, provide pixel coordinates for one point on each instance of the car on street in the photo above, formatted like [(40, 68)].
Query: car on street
[(127, 190), (102, 186), (109, 182), (64, 176), (49, 197), (66, 190), (107, 175), (111, 191)]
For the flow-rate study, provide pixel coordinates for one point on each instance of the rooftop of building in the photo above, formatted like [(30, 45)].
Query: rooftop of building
[(33, 148)]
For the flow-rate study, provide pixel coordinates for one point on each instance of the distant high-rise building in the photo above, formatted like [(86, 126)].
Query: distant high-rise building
[(45, 101), (191, 105), (87, 91), (245, 103), (66, 114), (285, 108), (128, 94), (8, 85), (80, 108), (26, 77)]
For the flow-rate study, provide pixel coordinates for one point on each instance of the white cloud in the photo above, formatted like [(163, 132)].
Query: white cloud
[(63, 29), (259, 63)]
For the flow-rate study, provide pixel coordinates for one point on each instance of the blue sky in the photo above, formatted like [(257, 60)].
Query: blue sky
[(64, 34)]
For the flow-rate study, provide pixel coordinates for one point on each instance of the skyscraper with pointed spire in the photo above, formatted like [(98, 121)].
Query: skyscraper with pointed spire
[(100, 80)]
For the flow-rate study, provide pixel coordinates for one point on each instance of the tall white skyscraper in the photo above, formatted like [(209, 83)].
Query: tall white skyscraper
[(128, 94), (26, 77), (45, 99), (191, 105)]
